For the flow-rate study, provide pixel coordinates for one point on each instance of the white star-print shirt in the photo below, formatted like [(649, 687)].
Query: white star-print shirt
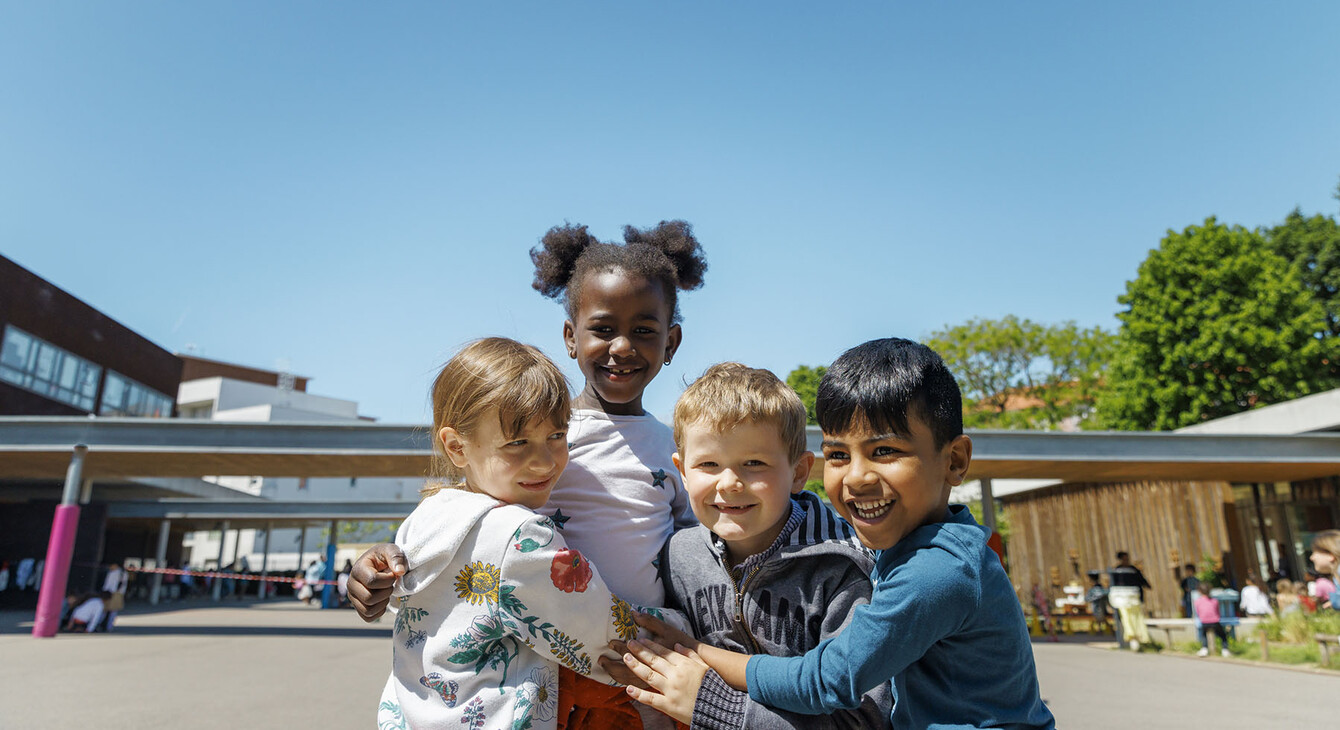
[(620, 499)]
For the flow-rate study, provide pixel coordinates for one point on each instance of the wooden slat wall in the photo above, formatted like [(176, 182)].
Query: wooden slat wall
[(1147, 519)]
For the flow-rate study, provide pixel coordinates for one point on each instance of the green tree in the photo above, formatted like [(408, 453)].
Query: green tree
[(1215, 322), (1312, 246), (805, 381), (1016, 373)]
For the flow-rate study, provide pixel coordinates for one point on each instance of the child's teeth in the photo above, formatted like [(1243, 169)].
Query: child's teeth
[(871, 510)]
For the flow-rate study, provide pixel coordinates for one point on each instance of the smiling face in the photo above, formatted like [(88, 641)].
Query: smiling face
[(620, 336), (888, 485), (740, 483), (518, 470)]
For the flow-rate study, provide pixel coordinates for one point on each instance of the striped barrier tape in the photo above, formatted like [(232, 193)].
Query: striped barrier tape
[(234, 576)]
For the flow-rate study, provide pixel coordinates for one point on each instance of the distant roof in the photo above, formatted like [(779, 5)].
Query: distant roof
[(197, 368), (1311, 413)]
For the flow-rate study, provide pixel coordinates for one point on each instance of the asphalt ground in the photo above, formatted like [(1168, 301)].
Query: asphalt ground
[(282, 664)]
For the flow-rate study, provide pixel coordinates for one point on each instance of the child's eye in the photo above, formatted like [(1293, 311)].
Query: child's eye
[(885, 451), (707, 465), (835, 456), (518, 442), (644, 331), (755, 462), (558, 435)]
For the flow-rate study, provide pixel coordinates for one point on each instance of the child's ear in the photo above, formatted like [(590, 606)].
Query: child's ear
[(454, 445), (802, 472), (570, 338), (672, 341), (958, 460), (679, 462)]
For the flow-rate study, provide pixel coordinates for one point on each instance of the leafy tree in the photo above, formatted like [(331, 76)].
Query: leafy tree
[(805, 381), (1215, 322), (1016, 373), (1312, 245)]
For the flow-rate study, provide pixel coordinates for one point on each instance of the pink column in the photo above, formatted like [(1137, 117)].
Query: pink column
[(57, 571), (60, 548)]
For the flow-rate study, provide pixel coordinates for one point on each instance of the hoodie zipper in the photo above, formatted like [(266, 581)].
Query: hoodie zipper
[(739, 603)]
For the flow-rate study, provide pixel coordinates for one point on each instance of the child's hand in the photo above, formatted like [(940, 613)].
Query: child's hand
[(619, 671), (664, 633), (675, 677), (373, 577)]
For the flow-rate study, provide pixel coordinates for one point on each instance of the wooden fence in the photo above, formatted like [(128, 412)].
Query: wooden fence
[(1077, 527)]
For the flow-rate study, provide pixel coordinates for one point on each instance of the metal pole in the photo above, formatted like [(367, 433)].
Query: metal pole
[(60, 549), (160, 560), (86, 492), (328, 597), (217, 592), (265, 561), (988, 505), (302, 545)]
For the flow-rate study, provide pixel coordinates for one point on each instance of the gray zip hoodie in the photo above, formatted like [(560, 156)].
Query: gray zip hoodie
[(782, 601)]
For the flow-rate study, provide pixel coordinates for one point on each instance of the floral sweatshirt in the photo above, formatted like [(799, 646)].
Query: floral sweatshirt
[(493, 602)]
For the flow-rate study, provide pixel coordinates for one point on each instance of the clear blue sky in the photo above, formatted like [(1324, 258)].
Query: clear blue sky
[(353, 187)]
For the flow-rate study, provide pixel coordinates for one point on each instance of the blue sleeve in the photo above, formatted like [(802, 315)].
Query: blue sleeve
[(920, 602)]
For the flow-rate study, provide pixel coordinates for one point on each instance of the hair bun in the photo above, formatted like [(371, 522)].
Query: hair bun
[(556, 257), (676, 240)]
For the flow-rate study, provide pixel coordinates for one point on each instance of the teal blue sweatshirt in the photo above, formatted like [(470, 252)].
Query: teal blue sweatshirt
[(943, 623)]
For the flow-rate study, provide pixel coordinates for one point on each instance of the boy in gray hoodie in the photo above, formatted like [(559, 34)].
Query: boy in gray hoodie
[(771, 569)]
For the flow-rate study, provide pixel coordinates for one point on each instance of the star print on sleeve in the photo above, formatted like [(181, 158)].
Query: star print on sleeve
[(658, 478), (560, 519)]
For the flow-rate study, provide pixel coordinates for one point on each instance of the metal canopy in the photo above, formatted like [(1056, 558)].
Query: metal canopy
[(40, 448)]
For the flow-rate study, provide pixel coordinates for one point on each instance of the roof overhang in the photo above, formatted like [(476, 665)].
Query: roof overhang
[(41, 448)]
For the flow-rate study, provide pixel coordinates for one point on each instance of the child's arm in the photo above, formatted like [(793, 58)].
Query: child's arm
[(688, 688), (551, 596), (921, 602)]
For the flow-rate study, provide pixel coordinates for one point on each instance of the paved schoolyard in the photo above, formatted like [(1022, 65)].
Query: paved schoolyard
[(263, 665), (284, 665)]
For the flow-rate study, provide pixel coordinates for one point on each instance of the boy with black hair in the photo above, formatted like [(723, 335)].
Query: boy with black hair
[(943, 622)]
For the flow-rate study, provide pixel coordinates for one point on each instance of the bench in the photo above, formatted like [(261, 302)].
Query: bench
[(1170, 625), (1324, 642)]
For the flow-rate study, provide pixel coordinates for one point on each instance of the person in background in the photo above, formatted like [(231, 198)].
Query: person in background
[(1326, 560), (114, 585), (1096, 596), (1126, 594), (1207, 615), (1188, 583), (86, 612), (315, 570), (1254, 601), (342, 582)]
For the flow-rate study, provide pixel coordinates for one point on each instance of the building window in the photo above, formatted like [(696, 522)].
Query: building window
[(38, 366), (122, 396)]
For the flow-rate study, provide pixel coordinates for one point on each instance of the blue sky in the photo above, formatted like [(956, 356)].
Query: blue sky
[(352, 188)]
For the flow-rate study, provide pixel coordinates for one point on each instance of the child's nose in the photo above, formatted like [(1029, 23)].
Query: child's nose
[(621, 345), (729, 481)]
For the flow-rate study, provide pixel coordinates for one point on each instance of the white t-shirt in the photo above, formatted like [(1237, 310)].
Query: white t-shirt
[(620, 499), (1254, 602), (89, 612)]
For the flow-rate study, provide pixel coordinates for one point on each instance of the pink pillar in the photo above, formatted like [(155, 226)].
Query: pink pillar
[(60, 549), (57, 571)]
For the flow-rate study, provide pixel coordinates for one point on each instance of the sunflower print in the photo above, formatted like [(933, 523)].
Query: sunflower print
[(622, 614), (478, 583)]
